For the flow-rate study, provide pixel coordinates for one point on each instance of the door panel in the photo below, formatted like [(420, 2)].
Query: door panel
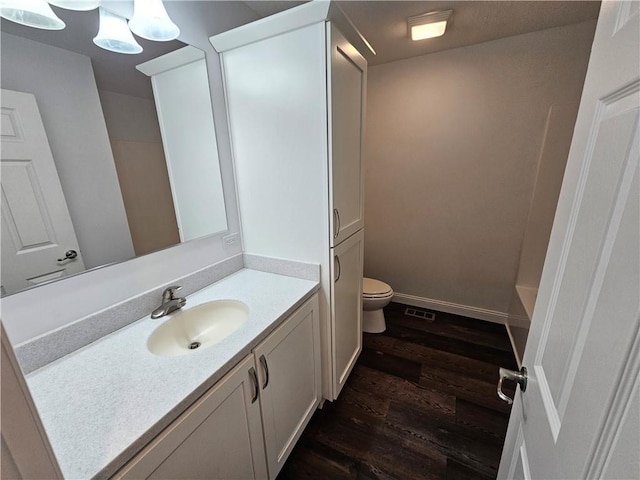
[(567, 326), (26, 213), (583, 353), (622, 458), (218, 438), (519, 467), (36, 225), (290, 390), (347, 96), (346, 295), (521, 470), (206, 455), (610, 365)]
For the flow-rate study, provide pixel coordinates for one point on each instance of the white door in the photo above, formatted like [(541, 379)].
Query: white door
[(288, 365), (580, 414), (348, 74), (218, 438), (36, 226), (346, 307)]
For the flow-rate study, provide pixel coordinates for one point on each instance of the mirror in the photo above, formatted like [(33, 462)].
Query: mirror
[(103, 156)]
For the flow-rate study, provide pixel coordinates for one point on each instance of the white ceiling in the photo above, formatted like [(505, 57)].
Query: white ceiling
[(384, 23)]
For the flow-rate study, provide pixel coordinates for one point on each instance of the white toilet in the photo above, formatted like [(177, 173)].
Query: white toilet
[(375, 296)]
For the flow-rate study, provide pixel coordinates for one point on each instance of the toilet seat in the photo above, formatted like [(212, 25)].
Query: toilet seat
[(372, 288), (373, 297)]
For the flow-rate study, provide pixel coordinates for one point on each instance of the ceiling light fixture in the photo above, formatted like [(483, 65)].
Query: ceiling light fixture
[(428, 25), (114, 34), (150, 21), (32, 13), (79, 5)]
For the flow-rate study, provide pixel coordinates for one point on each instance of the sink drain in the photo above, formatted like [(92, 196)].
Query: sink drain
[(194, 345)]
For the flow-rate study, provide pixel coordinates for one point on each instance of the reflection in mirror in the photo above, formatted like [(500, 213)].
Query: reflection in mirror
[(85, 181), (181, 92)]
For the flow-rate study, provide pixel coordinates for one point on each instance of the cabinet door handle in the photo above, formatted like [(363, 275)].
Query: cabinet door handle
[(336, 260), (336, 223), (256, 387), (265, 367)]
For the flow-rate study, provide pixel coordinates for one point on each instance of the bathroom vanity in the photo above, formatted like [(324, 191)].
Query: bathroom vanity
[(232, 410), (295, 86), (271, 393)]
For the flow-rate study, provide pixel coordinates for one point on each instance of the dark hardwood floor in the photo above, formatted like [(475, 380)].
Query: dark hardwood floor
[(420, 403)]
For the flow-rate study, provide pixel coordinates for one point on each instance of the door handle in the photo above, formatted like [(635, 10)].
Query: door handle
[(265, 367), (336, 223), (519, 377), (68, 255), (256, 387), (338, 268)]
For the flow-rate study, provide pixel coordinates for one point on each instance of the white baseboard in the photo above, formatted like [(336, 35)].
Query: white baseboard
[(468, 311)]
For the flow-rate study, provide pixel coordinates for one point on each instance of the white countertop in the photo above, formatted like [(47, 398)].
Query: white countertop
[(104, 402)]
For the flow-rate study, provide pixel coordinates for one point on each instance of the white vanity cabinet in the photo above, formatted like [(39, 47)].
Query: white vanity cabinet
[(246, 425), (219, 437), (288, 364), (295, 85)]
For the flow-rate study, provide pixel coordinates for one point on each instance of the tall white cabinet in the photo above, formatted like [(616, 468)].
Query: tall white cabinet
[(183, 102), (295, 86)]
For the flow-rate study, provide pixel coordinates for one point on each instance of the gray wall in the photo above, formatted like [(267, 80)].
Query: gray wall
[(136, 143), (130, 118), (61, 81), (9, 469), (453, 141)]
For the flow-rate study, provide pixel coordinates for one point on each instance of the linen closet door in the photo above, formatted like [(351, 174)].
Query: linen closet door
[(346, 307), (347, 90)]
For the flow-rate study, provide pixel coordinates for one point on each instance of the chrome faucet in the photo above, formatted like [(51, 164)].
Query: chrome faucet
[(170, 302)]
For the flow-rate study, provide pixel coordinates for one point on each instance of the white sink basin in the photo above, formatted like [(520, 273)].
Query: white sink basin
[(197, 328)]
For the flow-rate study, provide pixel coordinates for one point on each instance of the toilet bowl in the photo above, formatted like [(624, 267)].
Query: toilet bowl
[(375, 296)]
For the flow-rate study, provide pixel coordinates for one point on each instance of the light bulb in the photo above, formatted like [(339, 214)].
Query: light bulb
[(150, 21), (114, 34), (32, 13), (428, 30)]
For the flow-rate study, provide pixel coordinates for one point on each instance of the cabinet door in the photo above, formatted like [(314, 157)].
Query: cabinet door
[(348, 74), (346, 307), (288, 362), (219, 437)]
